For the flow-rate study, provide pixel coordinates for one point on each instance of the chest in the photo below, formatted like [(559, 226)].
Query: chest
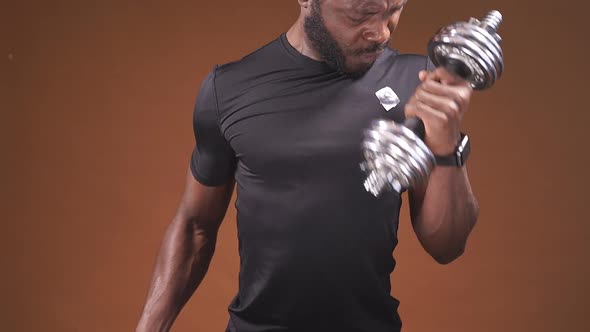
[(312, 130)]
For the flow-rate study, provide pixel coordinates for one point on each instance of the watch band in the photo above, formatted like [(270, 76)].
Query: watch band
[(457, 158)]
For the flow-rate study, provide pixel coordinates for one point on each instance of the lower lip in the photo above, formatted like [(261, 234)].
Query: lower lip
[(371, 56)]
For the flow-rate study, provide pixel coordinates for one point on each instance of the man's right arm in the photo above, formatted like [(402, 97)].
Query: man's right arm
[(185, 253)]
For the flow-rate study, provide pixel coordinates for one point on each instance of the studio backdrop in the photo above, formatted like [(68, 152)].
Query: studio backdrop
[(96, 101)]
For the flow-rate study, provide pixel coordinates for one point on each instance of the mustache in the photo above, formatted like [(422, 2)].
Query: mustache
[(374, 48)]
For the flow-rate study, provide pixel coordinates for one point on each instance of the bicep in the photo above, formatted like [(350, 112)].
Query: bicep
[(416, 199), (204, 205), (210, 176)]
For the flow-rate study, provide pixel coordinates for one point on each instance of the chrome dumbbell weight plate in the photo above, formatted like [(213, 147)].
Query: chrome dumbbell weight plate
[(395, 157), (471, 50)]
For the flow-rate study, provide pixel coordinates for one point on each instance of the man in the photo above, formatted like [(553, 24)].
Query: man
[(285, 123)]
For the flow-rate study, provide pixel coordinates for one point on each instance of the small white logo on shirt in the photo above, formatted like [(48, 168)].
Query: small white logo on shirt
[(387, 98)]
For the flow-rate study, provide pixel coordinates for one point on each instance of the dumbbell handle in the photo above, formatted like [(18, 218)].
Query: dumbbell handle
[(416, 125), (396, 156)]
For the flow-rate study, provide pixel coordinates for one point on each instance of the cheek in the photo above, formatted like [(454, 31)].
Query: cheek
[(351, 42), (348, 38)]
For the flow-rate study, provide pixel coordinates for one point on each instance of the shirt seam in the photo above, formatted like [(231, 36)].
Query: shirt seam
[(216, 100), (221, 132)]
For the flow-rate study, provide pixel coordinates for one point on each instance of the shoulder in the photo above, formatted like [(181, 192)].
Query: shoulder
[(397, 71), (402, 68), (407, 60), (249, 64)]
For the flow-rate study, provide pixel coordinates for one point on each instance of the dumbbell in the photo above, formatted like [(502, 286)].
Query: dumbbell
[(395, 155)]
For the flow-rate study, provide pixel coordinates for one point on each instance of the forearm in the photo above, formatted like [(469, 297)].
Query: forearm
[(181, 265), (445, 213)]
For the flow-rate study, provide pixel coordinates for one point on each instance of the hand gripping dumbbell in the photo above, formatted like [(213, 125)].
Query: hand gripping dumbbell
[(395, 154)]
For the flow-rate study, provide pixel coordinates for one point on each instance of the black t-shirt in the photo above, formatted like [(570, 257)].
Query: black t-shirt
[(315, 247)]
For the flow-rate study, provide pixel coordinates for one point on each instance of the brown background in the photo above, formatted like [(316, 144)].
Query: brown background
[(96, 106)]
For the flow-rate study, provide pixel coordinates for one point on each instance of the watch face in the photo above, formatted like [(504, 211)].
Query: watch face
[(464, 149), (458, 158)]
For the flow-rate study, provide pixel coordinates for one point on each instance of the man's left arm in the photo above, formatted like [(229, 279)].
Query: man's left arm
[(444, 213), (445, 210)]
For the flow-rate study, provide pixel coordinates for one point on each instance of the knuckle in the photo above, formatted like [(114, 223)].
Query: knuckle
[(418, 93), (453, 107), (420, 105), (410, 109), (444, 119), (468, 86), (463, 96)]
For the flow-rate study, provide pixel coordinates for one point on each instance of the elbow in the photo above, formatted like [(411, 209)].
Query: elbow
[(202, 235), (450, 251), (448, 256), (444, 248), (196, 225)]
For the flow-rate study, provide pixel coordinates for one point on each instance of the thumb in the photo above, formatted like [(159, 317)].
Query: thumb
[(422, 75)]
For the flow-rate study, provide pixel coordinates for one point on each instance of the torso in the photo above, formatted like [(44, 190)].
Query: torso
[(314, 245)]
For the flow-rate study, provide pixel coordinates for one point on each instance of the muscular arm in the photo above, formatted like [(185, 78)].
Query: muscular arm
[(444, 213), (185, 253), (445, 210)]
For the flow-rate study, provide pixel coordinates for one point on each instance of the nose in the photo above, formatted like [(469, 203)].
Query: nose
[(378, 34)]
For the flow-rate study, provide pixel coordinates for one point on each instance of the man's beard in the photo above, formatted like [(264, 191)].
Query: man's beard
[(328, 47)]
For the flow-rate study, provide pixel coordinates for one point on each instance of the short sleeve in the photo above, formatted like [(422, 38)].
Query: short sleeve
[(213, 160)]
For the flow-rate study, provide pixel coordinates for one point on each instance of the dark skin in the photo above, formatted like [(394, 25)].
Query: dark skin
[(443, 211), (362, 29), (185, 254)]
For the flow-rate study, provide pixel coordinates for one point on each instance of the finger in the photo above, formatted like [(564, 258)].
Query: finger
[(423, 74), (431, 76), (460, 94), (425, 112), (447, 77), (432, 118), (410, 108), (440, 103), (436, 124)]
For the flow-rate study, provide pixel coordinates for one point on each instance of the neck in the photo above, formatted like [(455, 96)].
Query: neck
[(298, 39)]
